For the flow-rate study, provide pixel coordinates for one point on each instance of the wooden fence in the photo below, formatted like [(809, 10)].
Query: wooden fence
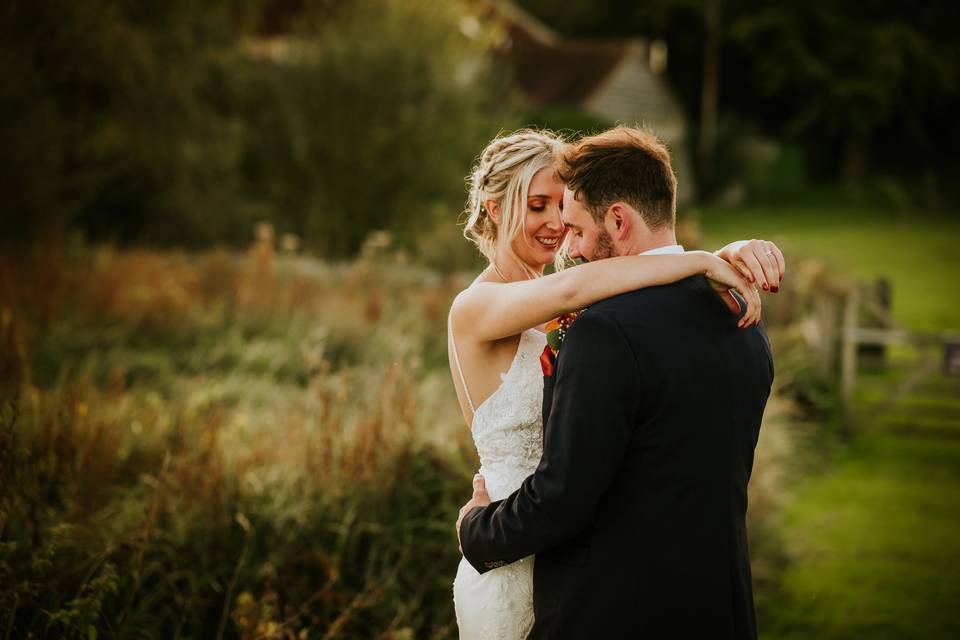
[(853, 325)]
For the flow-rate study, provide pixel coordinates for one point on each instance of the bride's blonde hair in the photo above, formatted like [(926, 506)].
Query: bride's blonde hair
[(503, 174)]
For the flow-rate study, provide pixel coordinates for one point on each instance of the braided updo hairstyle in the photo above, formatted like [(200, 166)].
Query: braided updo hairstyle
[(503, 174)]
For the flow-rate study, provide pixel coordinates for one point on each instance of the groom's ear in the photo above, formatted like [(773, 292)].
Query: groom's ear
[(620, 221)]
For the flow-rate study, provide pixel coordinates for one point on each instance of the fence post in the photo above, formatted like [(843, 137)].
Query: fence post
[(848, 355), (827, 319), (876, 314), (951, 357)]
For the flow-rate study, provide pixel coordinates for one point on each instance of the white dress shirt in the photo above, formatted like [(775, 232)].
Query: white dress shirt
[(670, 248)]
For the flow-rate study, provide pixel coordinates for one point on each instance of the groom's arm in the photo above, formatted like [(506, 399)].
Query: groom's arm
[(591, 422)]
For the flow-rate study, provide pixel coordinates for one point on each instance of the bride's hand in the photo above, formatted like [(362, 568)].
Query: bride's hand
[(759, 261), (723, 277)]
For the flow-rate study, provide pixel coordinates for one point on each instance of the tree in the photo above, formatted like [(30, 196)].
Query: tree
[(105, 121), (373, 126), (844, 70), (709, 93), (154, 122), (877, 81)]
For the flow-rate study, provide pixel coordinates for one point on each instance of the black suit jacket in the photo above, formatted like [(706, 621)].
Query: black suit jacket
[(636, 512)]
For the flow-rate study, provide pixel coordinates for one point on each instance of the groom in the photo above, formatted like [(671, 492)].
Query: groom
[(636, 512)]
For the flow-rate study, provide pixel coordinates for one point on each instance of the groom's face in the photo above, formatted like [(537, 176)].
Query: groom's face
[(588, 241)]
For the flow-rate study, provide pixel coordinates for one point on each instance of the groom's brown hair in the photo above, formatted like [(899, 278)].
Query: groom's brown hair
[(623, 164)]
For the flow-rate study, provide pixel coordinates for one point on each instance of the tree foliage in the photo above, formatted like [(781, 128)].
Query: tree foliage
[(845, 71), (373, 127), (159, 122), (832, 75), (103, 116)]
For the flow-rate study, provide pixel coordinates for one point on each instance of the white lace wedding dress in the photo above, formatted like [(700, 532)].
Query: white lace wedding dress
[(508, 433)]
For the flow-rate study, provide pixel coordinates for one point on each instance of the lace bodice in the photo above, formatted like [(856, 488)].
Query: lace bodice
[(507, 427), (508, 433)]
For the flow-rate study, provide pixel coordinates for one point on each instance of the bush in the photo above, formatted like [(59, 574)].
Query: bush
[(255, 446), (163, 124)]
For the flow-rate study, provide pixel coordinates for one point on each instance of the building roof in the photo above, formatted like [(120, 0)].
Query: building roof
[(563, 71)]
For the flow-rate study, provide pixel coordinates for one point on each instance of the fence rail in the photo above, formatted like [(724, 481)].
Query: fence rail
[(854, 323)]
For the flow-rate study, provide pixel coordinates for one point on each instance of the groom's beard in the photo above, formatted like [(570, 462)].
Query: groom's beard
[(605, 248)]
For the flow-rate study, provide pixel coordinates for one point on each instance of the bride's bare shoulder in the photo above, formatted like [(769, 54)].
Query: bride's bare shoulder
[(465, 302)]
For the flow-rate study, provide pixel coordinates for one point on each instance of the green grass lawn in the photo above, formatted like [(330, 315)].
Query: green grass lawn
[(919, 253), (875, 546), (872, 534), (874, 540)]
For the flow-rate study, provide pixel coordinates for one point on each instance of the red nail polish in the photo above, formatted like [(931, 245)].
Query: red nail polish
[(765, 287), (775, 289)]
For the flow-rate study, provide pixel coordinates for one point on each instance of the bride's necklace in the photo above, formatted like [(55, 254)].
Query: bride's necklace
[(496, 270)]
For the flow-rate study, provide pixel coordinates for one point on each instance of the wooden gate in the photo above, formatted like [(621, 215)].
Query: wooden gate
[(909, 373)]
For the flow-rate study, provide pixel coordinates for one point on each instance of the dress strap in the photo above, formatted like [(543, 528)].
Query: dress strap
[(456, 360)]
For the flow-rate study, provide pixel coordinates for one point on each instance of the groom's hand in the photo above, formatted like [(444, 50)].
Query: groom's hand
[(480, 499), (727, 298)]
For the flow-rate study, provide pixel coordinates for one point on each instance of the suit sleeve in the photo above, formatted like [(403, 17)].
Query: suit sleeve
[(591, 422)]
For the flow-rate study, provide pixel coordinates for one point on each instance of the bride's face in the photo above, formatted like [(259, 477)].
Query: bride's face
[(542, 230)]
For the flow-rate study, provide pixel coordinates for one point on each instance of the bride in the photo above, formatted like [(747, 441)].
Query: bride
[(495, 339)]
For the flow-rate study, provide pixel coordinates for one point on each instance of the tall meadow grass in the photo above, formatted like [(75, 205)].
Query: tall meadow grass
[(249, 446)]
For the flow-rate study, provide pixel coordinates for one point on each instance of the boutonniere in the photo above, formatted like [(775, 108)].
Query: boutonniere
[(556, 334)]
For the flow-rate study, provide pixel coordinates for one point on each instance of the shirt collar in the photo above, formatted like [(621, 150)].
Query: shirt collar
[(670, 248)]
